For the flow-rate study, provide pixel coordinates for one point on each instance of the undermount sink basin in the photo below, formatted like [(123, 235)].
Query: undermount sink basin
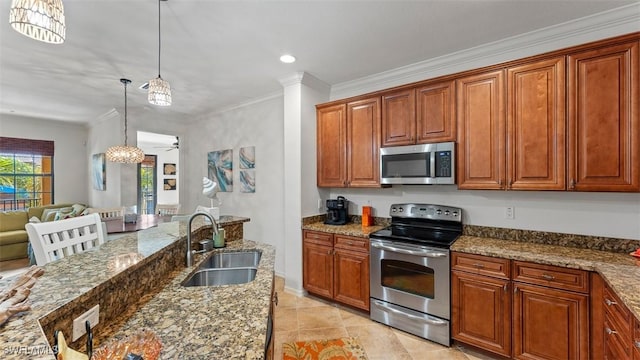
[(221, 276), (246, 258)]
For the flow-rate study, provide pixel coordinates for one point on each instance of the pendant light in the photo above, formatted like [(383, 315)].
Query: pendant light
[(41, 20), (125, 154), (159, 89)]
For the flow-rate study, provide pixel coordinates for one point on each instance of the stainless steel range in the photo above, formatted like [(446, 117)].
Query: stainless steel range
[(410, 269)]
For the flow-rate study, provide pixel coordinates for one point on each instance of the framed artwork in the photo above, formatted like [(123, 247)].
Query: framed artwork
[(247, 181), (220, 168), (169, 169), (169, 184), (99, 171), (248, 157)]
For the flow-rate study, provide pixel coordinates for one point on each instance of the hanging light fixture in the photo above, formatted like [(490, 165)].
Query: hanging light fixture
[(41, 20), (125, 154), (159, 89)]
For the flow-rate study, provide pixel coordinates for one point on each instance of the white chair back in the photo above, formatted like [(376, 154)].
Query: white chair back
[(167, 209), (55, 240), (108, 213)]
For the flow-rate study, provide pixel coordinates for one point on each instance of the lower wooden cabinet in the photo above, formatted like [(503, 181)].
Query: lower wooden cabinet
[(636, 341), (336, 267), (518, 309)]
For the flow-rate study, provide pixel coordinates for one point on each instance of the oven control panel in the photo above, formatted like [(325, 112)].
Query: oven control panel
[(426, 211)]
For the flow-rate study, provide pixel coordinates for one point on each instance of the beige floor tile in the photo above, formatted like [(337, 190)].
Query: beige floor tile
[(279, 283), (379, 341), (286, 300), (319, 317), (444, 354), (354, 318), (416, 345), (322, 334), (309, 301), (286, 319), (281, 337)]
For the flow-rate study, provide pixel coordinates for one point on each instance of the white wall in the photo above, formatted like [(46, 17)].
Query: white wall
[(259, 124), (103, 133), (71, 157)]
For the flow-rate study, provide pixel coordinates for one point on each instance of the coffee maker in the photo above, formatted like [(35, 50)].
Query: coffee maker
[(337, 211)]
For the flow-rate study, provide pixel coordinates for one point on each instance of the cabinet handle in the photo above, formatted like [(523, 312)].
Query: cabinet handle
[(329, 251), (478, 265), (510, 184), (515, 289), (610, 332), (504, 287), (548, 277), (275, 298), (349, 242), (609, 302), (572, 184), (637, 343)]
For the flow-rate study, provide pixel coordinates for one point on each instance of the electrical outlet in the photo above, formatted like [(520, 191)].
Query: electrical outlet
[(79, 327), (320, 205), (510, 213)]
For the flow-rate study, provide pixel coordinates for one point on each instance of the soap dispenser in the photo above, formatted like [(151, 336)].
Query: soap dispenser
[(218, 238)]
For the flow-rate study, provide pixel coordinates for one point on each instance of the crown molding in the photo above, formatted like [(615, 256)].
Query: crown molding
[(306, 79), (619, 21)]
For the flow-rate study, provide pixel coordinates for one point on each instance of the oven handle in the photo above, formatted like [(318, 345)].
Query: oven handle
[(428, 321), (431, 254)]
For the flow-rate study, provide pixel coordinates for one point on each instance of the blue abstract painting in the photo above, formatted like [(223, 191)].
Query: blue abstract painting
[(248, 157), (220, 168), (247, 181)]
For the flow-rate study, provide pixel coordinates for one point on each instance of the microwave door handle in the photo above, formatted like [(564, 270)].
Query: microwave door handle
[(432, 164), (431, 254)]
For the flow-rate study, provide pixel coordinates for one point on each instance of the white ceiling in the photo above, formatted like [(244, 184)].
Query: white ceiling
[(216, 54)]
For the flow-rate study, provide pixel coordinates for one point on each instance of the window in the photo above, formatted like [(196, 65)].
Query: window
[(26, 173)]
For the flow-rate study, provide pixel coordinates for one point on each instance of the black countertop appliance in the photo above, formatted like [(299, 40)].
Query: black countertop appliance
[(337, 211)]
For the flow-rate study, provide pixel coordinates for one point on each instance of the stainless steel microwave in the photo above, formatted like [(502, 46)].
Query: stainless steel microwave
[(418, 164)]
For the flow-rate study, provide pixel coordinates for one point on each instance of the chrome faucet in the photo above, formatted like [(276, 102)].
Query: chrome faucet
[(215, 232)]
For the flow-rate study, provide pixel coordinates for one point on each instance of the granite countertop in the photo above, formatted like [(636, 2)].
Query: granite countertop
[(227, 322), (349, 229), (621, 271)]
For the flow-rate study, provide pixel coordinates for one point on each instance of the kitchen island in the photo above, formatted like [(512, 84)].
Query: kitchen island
[(136, 280)]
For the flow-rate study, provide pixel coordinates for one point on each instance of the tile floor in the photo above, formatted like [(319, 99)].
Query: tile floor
[(310, 318)]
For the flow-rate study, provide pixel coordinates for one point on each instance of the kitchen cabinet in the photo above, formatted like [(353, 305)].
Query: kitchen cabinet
[(269, 352), (524, 150), (636, 341), (424, 114), (604, 130), (336, 267), (618, 328), (348, 144), (546, 302)]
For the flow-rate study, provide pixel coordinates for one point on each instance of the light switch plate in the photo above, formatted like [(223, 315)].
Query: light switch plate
[(79, 328)]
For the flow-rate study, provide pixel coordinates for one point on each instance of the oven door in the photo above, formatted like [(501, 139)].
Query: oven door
[(413, 276)]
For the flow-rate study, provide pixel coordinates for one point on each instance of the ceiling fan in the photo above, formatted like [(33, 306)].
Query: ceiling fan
[(174, 146)]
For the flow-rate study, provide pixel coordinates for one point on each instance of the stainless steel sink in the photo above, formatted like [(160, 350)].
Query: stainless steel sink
[(221, 276), (246, 258)]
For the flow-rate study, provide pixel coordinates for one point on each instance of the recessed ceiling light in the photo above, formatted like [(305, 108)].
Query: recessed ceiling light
[(287, 59)]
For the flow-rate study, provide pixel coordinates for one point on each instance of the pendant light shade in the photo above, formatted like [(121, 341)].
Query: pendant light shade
[(159, 89), (41, 20), (125, 154)]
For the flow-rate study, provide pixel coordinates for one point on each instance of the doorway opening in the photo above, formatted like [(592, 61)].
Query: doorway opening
[(158, 173), (147, 188)]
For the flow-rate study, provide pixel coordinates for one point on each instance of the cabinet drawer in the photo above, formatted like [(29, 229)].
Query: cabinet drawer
[(551, 276), (351, 243), (617, 311), (479, 264), (636, 341), (616, 341), (317, 237)]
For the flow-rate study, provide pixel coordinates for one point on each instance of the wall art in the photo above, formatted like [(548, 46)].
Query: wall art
[(99, 171), (169, 169), (169, 184), (247, 181), (220, 168), (247, 157)]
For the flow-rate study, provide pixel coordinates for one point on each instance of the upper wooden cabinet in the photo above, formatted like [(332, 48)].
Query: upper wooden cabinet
[(481, 131), (604, 129), (419, 115), (348, 144)]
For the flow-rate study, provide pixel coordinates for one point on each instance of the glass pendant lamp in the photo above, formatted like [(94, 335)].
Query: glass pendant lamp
[(159, 89), (125, 154), (42, 20)]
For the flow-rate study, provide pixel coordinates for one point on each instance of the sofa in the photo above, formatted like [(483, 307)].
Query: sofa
[(13, 236)]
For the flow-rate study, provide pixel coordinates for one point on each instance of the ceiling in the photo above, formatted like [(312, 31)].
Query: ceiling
[(217, 54)]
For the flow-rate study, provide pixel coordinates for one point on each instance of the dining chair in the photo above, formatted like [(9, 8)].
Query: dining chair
[(55, 240), (108, 213), (167, 209)]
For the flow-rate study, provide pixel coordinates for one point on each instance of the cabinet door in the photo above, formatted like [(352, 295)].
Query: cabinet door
[(317, 269), (331, 152), (481, 131), (636, 341), (435, 113), (536, 126), (481, 312), (399, 118), (351, 278), (603, 119), (549, 324), (363, 143)]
